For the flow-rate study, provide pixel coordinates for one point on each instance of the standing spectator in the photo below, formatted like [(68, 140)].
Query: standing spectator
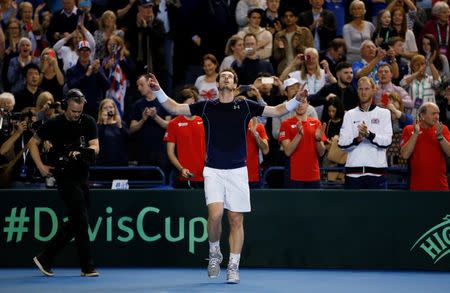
[(107, 28), (291, 41), (383, 30), (251, 66), (89, 20), (234, 50), (343, 89), (365, 134), (416, 17), (119, 68), (11, 40), (271, 20), (357, 31), (426, 145), (112, 135), (400, 29), (8, 10), (338, 9), (187, 135), (257, 141), (46, 106), (17, 64), (206, 84), (335, 53), (303, 138), (385, 87), (321, 22), (64, 21), (26, 97), (421, 87), (66, 48), (145, 38), (41, 23), (89, 77), (148, 122), (430, 47), (52, 78), (398, 45), (26, 16), (263, 36), (243, 7), (439, 27)]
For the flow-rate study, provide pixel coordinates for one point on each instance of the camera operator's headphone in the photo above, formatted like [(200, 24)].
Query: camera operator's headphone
[(73, 95)]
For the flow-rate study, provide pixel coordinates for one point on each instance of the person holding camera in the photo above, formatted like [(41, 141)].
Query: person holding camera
[(73, 136), (113, 135)]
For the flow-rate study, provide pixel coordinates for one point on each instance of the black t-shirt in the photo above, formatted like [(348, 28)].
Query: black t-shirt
[(225, 130), (65, 135)]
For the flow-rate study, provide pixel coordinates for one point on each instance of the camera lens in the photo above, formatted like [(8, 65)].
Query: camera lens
[(110, 114)]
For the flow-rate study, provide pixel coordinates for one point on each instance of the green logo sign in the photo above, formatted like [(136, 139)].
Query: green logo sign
[(436, 241)]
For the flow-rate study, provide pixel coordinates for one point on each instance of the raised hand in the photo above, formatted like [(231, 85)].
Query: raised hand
[(153, 82), (302, 94)]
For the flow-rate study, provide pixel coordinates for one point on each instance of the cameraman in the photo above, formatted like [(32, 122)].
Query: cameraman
[(73, 137)]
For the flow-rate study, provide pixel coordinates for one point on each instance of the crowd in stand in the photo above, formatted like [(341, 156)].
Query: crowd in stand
[(376, 72)]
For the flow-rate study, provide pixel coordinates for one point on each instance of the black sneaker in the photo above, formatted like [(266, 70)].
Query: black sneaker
[(90, 273), (45, 269)]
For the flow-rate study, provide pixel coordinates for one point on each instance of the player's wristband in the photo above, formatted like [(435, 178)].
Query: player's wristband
[(292, 104), (440, 138), (161, 96)]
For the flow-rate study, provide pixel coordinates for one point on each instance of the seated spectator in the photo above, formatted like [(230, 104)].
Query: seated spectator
[(46, 107), (263, 36), (291, 41), (17, 64), (119, 67), (321, 22), (303, 138), (186, 134), (234, 51), (251, 66), (428, 48), (112, 135), (89, 77), (66, 48), (357, 31), (52, 78), (27, 96), (107, 28), (206, 84), (421, 87)]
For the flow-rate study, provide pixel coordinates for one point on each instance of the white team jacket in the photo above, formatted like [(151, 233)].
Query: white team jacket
[(371, 151)]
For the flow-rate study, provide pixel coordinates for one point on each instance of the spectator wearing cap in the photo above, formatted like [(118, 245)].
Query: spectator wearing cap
[(242, 9), (263, 36), (291, 87), (89, 77), (146, 34), (321, 22), (16, 65), (291, 41), (251, 65)]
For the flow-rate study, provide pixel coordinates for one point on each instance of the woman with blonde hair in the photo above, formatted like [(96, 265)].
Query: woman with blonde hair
[(234, 51), (357, 31), (112, 135), (46, 106), (107, 28), (118, 68)]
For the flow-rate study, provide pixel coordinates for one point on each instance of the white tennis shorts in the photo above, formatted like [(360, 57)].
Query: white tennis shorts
[(229, 186)]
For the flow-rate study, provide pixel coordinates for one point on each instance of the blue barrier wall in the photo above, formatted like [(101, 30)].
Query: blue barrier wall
[(287, 228)]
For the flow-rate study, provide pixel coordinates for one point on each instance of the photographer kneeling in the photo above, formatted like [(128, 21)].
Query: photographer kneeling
[(74, 141)]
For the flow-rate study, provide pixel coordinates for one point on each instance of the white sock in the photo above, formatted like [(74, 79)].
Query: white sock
[(235, 258), (214, 246)]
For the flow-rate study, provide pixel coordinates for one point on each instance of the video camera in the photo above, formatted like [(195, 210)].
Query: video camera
[(8, 119), (62, 160)]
